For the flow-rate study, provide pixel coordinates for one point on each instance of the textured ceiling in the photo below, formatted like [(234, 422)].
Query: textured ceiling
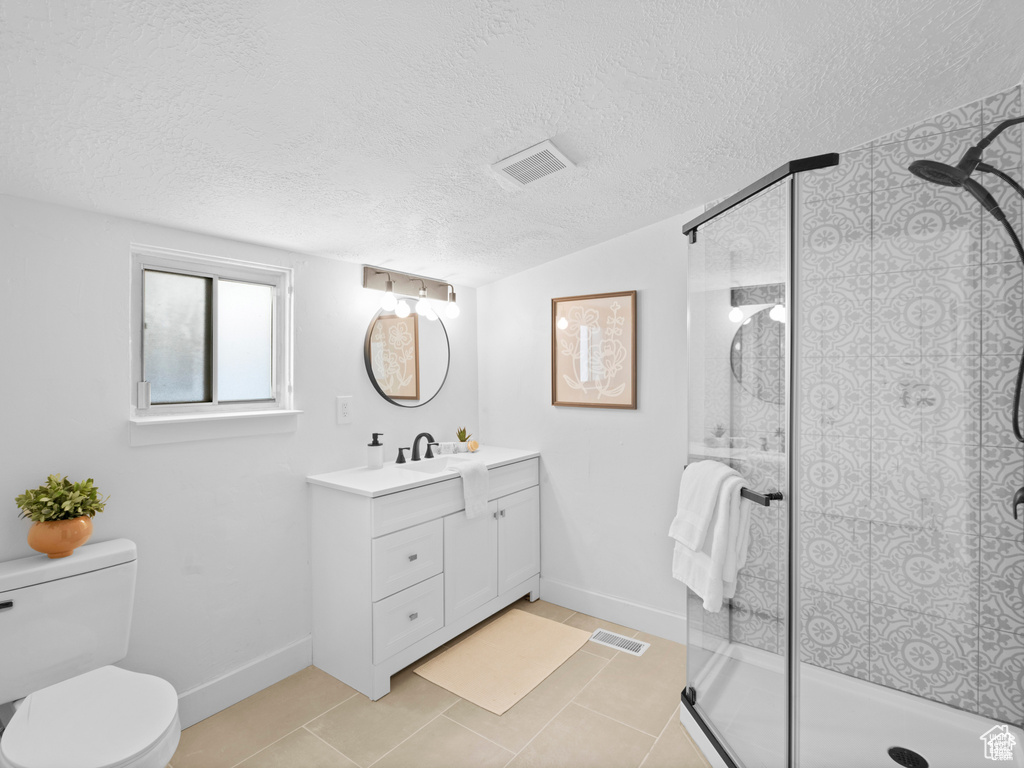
[(365, 130)]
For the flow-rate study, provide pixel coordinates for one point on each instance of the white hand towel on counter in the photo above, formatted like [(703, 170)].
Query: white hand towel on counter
[(711, 571), (474, 486), (698, 496)]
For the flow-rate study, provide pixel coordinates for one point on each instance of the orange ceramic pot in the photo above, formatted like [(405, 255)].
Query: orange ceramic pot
[(59, 538)]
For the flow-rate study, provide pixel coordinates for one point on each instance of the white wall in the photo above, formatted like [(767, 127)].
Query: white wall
[(609, 478), (221, 525)]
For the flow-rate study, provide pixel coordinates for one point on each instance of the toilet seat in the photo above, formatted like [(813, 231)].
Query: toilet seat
[(106, 718)]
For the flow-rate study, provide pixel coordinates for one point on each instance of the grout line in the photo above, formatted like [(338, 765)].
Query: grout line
[(662, 733), (625, 725), (318, 736), (405, 739), (264, 749), (331, 708), (560, 711), (475, 733)]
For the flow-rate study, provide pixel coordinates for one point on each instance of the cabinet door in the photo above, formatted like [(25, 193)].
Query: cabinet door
[(470, 567), (518, 537)]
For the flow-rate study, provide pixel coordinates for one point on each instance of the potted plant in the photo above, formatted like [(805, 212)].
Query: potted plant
[(717, 438), (465, 444), (62, 514)]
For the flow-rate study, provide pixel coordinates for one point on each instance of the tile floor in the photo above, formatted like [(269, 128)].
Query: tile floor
[(600, 708)]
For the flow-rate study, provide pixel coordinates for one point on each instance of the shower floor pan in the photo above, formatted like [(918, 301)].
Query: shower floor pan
[(844, 722)]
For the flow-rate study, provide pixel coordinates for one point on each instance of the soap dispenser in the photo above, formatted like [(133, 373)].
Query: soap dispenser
[(375, 453)]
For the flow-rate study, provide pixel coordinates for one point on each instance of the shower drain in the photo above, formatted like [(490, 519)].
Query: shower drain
[(908, 758)]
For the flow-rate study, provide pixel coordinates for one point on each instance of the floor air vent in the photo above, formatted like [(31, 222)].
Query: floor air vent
[(908, 758), (619, 642), (534, 163)]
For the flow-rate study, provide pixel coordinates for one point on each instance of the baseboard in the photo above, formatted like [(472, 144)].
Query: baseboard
[(210, 698), (653, 621)]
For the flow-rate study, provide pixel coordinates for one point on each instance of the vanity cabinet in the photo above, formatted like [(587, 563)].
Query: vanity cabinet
[(398, 569), (491, 554)]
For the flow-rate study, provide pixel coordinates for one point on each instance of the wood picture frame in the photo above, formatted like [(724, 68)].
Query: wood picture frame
[(593, 350), (394, 344)]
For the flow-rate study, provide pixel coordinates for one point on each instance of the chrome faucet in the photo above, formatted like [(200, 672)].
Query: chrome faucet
[(416, 446)]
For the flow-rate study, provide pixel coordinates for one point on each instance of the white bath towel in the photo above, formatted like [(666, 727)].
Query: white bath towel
[(698, 497), (474, 486), (712, 570)]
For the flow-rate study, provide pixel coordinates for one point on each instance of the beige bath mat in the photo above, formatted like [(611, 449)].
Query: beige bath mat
[(503, 661)]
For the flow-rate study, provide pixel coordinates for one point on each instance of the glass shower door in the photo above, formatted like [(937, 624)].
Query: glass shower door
[(738, 349)]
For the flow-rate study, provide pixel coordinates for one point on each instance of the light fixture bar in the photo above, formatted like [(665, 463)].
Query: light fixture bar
[(405, 284)]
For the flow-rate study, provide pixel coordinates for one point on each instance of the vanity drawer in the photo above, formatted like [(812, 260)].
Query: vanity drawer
[(502, 481), (403, 619), (406, 508), (407, 557)]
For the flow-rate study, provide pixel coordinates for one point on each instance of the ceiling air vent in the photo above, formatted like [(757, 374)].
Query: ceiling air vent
[(534, 163)]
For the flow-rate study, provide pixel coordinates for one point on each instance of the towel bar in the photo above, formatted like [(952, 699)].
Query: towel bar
[(764, 499)]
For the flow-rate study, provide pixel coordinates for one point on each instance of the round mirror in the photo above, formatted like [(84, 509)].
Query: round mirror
[(757, 357), (406, 357)]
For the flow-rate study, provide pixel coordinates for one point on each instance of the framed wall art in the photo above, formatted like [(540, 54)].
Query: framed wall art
[(593, 350), (394, 356)]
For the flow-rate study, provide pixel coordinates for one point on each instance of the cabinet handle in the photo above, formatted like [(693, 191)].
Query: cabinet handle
[(502, 513), (495, 515), (6, 604), (412, 557), (413, 616)]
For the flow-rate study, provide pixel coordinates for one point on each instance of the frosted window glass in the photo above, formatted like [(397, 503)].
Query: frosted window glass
[(244, 341), (176, 345)]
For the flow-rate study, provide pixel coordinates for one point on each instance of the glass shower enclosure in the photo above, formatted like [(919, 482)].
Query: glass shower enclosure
[(852, 342)]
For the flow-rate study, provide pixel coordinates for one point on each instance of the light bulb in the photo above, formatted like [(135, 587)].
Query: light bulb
[(562, 324), (451, 309), (423, 309), (403, 309), (778, 313), (388, 300), (735, 314)]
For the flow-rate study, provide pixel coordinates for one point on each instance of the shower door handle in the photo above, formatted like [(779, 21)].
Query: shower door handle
[(1018, 499)]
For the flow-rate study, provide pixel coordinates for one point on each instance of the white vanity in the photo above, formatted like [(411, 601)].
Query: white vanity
[(398, 568)]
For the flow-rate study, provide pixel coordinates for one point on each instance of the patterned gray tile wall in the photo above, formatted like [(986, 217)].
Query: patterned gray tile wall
[(911, 309)]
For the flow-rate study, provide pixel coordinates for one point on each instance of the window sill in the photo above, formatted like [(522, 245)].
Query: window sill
[(185, 427)]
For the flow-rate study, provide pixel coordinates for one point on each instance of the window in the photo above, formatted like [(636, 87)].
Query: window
[(210, 336)]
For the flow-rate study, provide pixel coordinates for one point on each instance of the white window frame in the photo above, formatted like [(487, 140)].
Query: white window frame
[(147, 257)]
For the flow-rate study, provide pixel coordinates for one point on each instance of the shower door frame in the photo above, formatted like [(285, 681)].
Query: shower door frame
[(689, 709)]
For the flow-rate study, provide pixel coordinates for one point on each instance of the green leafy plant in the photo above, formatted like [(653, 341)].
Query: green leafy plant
[(462, 435), (60, 499)]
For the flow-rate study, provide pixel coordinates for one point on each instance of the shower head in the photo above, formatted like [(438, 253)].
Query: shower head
[(958, 176), (939, 173)]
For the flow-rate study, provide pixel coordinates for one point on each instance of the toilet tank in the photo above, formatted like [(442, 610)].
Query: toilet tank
[(60, 618)]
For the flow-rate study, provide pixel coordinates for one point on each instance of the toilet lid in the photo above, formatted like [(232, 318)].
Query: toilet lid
[(99, 719)]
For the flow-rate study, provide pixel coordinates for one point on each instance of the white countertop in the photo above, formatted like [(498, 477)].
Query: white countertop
[(397, 477)]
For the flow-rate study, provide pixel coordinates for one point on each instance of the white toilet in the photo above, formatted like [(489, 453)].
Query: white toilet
[(62, 624)]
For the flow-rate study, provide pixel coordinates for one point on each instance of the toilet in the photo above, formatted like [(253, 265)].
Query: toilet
[(63, 624)]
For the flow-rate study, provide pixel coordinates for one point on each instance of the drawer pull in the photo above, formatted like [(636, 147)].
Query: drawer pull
[(6, 604), (412, 557), (413, 616)]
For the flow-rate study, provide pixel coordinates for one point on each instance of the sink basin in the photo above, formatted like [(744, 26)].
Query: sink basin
[(428, 466)]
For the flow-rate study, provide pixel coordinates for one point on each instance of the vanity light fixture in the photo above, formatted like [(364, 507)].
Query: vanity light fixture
[(778, 313), (425, 293), (563, 323), (389, 302), (735, 314), (451, 309), (423, 308)]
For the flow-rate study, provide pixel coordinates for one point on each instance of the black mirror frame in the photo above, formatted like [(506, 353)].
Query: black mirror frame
[(369, 366)]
